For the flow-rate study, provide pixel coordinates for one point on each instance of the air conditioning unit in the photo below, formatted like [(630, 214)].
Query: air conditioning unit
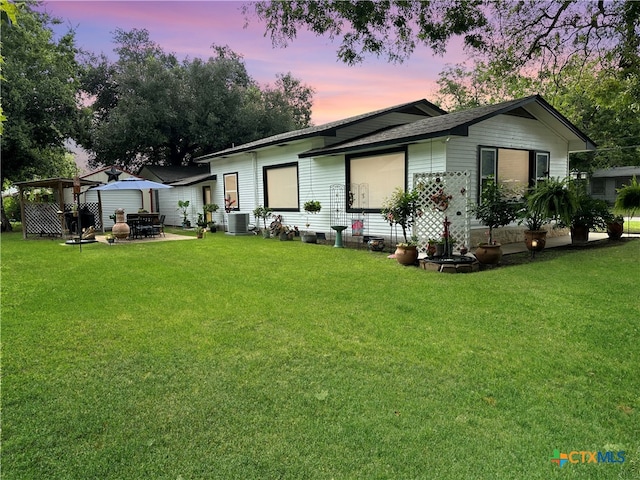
[(238, 224)]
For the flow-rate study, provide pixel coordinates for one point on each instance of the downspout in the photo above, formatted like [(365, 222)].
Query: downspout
[(254, 159)]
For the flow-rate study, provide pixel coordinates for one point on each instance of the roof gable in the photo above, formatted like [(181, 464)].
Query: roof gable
[(458, 123)]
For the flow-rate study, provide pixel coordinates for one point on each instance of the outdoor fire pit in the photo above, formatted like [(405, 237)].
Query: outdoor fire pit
[(453, 264)]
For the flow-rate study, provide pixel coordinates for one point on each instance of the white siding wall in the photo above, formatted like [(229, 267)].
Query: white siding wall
[(428, 157)]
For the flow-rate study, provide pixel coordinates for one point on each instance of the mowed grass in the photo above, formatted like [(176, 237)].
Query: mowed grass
[(244, 358)]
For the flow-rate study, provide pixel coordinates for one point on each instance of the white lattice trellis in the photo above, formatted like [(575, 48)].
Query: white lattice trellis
[(442, 195)]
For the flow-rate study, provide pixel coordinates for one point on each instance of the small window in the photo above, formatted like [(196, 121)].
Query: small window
[(488, 165), (231, 200), (281, 187), (597, 186), (542, 166)]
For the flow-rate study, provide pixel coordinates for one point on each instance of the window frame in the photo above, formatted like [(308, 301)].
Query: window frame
[(532, 174), (236, 206), (380, 153), (265, 184)]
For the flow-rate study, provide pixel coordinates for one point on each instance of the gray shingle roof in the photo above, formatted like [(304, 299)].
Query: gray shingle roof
[(327, 129)]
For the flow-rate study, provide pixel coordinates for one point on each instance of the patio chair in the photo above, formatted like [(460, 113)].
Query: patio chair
[(158, 228)]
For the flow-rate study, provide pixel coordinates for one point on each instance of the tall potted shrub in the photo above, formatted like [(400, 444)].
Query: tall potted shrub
[(262, 213), (211, 208), (496, 209), (400, 209)]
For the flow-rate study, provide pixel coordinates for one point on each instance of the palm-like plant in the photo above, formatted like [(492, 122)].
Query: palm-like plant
[(554, 199)]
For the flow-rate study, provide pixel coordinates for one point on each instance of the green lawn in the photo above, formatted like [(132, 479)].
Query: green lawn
[(244, 358)]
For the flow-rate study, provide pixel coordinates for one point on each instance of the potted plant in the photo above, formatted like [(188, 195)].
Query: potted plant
[(183, 206), (533, 216), (407, 252), (211, 208), (615, 226), (200, 232), (496, 209), (262, 213), (311, 207), (400, 209), (589, 214), (628, 199), (554, 199)]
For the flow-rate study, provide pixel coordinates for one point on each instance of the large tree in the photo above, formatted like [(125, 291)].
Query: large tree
[(39, 98), (583, 56), (151, 109)]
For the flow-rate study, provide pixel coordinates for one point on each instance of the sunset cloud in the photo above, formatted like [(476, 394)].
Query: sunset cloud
[(189, 28)]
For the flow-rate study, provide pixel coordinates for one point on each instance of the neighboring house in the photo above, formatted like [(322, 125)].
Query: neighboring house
[(352, 165), (194, 184), (604, 183)]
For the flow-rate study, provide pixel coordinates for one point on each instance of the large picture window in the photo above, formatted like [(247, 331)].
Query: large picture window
[(373, 178), (515, 169), (231, 199), (281, 187)]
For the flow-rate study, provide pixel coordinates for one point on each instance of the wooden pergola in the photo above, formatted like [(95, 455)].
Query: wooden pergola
[(49, 219)]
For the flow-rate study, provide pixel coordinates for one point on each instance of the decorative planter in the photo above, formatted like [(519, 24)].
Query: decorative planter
[(376, 244), (615, 230), (579, 235), (489, 254), (406, 255), (309, 237), (285, 237), (121, 229), (439, 250), (266, 233), (540, 238)]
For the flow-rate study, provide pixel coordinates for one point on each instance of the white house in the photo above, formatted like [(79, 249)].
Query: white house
[(352, 165)]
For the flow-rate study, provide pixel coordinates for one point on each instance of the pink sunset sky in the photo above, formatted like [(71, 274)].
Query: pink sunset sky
[(189, 28)]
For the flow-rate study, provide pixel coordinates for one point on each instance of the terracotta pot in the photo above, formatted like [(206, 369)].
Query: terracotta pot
[(406, 255), (489, 254), (615, 230), (540, 236), (579, 235)]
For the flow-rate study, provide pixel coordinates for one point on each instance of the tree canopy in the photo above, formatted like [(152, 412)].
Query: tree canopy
[(582, 56), (39, 97), (149, 108)]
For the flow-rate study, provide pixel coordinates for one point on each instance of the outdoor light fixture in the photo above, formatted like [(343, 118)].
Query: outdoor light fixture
[(534, 245)]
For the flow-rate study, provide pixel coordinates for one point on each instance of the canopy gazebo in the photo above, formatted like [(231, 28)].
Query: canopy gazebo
[(47, 217)]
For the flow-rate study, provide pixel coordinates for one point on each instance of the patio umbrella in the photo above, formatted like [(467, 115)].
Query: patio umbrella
[(132, 184)]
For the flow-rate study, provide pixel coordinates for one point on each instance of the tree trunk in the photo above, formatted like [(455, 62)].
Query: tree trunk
[(6, 224)]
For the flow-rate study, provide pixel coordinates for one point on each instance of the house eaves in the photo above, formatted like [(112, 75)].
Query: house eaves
[(420, 107), (169, 174), (185, 182), (452, 124)]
